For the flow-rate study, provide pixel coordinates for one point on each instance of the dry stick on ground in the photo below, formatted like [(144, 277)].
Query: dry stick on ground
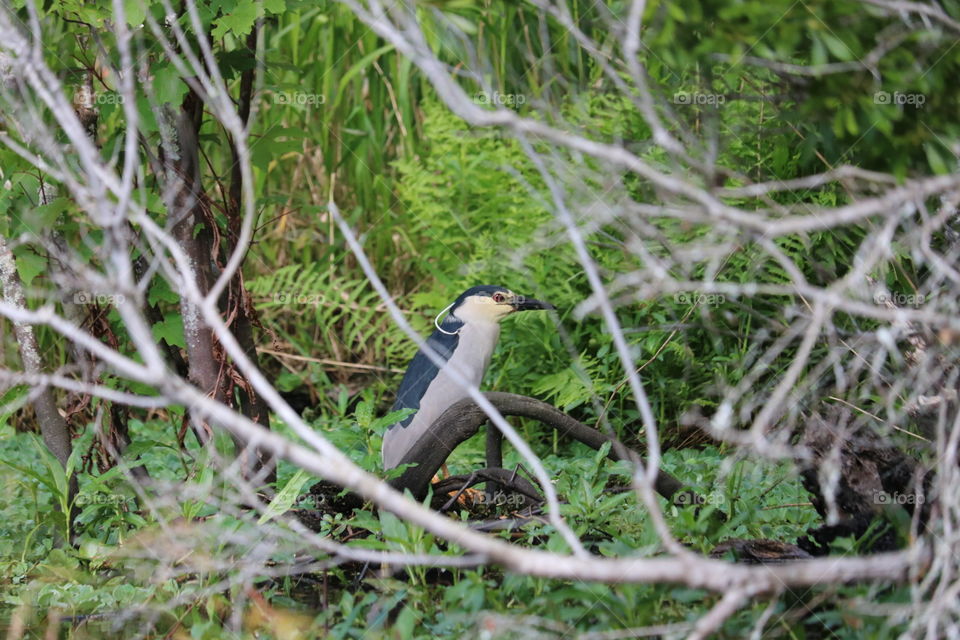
[(463, 419), (455, 486)]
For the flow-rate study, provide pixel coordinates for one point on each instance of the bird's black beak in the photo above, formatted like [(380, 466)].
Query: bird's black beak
[(522, 303)]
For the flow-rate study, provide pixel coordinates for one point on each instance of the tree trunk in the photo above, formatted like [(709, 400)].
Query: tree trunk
[(251, 404), (192, 231), (53, 427)]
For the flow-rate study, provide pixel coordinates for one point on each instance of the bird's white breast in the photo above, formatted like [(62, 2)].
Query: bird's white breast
[(476, 343)]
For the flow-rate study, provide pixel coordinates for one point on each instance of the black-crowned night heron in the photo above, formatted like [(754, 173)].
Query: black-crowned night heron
[(465, 339)]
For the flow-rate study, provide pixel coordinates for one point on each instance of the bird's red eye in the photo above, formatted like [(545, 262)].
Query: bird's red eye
[(499, 297)]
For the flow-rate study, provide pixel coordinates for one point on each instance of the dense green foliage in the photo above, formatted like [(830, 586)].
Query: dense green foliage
[(442, 207)]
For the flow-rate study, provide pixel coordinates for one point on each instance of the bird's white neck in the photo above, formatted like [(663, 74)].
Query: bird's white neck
[(476, 343)]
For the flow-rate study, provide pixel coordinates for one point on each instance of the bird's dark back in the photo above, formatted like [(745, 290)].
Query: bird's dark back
[(421, 371)]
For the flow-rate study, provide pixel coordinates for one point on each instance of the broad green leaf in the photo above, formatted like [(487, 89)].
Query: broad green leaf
[(160, 292), (288, 381), (391, 418), (171, 330), (393, 528), (239, 21), (136, 11), (168, 86), (285, 498), (29, 264), (43, 217)]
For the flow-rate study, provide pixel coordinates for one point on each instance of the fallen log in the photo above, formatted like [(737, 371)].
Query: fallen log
[(464, 419)]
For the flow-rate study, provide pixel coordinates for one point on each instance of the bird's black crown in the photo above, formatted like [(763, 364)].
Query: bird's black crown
[(486, 290)]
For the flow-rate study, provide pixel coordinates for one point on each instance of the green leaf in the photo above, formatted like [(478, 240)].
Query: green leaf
[(30, 473), (135, 11), (837, 47), (781, 155), (239, 21), (160, 292), (818, 54), (171, 330), (148, 120), (285, 498), (268, 149), (850, 120), (676, 11), (406, 622), (235, 62), (393, 528), (44, 216), (462, 23), (13, 400), (168, 86), (364, 414), (936, 160), (362, 64), (288, 381), (391, 418), (29, 264)]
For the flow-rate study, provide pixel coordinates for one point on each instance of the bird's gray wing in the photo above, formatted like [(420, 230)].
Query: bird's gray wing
[(421, 371)]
